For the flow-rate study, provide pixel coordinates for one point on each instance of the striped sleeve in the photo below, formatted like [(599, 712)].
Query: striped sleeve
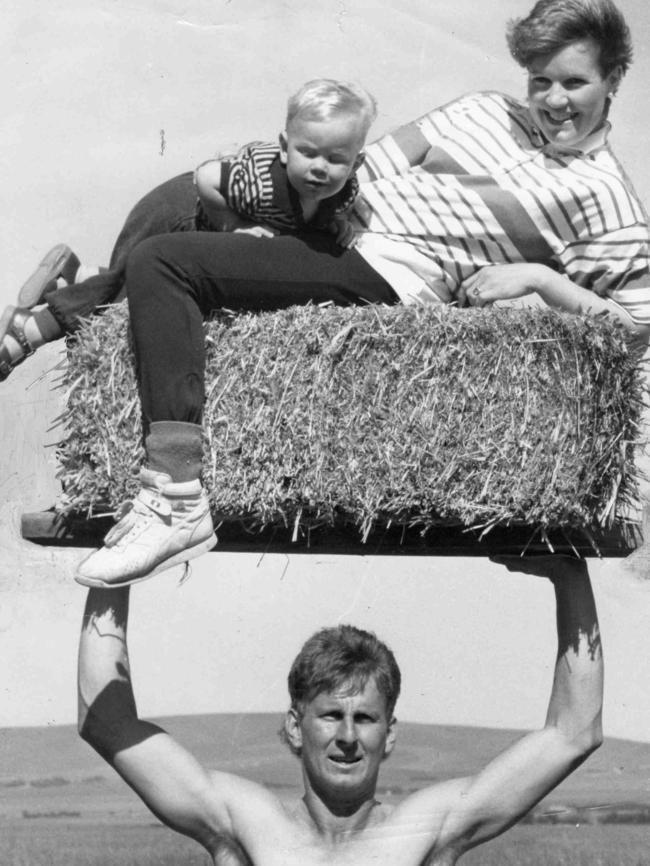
[(249, 184), (383, 158), (424, 141), (615, 265)]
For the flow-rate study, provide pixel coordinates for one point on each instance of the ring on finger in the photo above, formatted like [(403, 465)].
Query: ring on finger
[(476, 291)]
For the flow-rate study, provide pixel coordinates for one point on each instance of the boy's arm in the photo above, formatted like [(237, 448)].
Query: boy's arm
[(169, 780), (221, 217), (478, 808)]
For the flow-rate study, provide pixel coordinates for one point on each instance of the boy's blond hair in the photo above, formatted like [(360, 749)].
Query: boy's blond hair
[(324, 98)]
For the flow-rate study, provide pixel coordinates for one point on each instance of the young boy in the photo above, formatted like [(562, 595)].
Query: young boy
[(306, 182)]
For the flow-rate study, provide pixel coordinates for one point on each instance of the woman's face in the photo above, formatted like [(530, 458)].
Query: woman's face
[(567, 92)]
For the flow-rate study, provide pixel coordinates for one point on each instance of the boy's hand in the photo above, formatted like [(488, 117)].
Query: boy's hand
[(258, 231), (345, 234)]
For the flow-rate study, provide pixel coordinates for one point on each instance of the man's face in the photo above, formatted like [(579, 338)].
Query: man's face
[(343, 737)]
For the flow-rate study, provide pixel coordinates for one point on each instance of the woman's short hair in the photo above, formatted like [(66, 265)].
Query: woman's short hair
[(324, 98), (343, 656), (553, 24)]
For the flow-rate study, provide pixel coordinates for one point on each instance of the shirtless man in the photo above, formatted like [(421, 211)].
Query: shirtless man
[(343, 686)]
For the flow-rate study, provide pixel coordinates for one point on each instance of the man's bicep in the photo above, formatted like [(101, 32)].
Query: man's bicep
[(173, 784), (509, 786)]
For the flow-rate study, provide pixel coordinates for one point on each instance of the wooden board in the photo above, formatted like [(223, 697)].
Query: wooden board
[(45, 528)]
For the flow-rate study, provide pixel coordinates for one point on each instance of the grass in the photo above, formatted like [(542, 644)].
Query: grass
[(560, 846), (54, 843)]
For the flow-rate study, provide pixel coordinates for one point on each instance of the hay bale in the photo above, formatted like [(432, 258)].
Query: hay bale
[(417, 416)]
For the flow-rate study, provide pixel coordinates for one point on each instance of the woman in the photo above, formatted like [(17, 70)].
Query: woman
[(530, 189)]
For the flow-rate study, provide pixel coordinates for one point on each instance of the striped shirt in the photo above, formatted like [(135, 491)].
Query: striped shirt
[(254, 184), (492, 190)]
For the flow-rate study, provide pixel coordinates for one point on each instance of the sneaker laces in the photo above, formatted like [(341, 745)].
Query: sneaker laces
[(140, 511)]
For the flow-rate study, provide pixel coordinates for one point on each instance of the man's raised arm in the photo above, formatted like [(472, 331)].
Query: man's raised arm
[(169, 780), (478, 808)]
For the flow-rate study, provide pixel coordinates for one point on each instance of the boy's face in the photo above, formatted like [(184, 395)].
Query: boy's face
[(320, 155)]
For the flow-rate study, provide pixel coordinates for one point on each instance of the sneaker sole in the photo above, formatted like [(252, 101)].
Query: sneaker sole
[(53, 264), (176, 559)]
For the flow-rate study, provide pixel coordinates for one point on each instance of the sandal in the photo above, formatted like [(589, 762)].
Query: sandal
[(12, 324), (60, 261)]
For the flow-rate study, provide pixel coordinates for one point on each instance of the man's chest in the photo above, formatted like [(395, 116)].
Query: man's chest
[(361, 851)]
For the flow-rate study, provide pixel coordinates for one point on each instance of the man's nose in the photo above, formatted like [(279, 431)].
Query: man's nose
[(346, 733)]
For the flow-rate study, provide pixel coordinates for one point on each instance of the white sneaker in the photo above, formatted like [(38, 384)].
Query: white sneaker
[(166, 524)]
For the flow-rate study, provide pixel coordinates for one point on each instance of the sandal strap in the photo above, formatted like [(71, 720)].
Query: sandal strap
[(16, 330)]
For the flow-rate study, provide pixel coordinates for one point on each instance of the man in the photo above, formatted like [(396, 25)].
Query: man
[(343, 686)]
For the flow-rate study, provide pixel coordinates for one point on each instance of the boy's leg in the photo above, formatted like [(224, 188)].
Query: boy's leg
[(173, 283)]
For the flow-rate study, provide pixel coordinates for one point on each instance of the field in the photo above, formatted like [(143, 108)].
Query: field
[(49, 842), (62, 843), (61, 806)]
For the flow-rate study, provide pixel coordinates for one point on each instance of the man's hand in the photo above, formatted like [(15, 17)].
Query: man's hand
[(554, 566)]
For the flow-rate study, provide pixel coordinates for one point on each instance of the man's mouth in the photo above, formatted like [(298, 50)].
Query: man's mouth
[(345, 759)]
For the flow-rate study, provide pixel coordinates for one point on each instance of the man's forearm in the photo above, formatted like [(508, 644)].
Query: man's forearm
[(106, 702), (576, 700)]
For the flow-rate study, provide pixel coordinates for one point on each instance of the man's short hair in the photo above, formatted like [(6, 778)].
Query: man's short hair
[(553, 24), (340, 656), (324, 98)]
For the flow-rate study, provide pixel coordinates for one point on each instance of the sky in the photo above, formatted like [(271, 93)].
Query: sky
[(102, 100)]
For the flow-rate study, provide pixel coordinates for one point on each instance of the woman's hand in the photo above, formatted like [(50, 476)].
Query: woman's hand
[(502, 282), (343, 229), (508, 282)]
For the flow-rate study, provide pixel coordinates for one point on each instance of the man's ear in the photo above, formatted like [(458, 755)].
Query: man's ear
[(283, 148), (391, 737), (292, 729)]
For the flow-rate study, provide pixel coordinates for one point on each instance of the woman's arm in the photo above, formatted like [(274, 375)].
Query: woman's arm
[(508, 282), (394, 153)]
